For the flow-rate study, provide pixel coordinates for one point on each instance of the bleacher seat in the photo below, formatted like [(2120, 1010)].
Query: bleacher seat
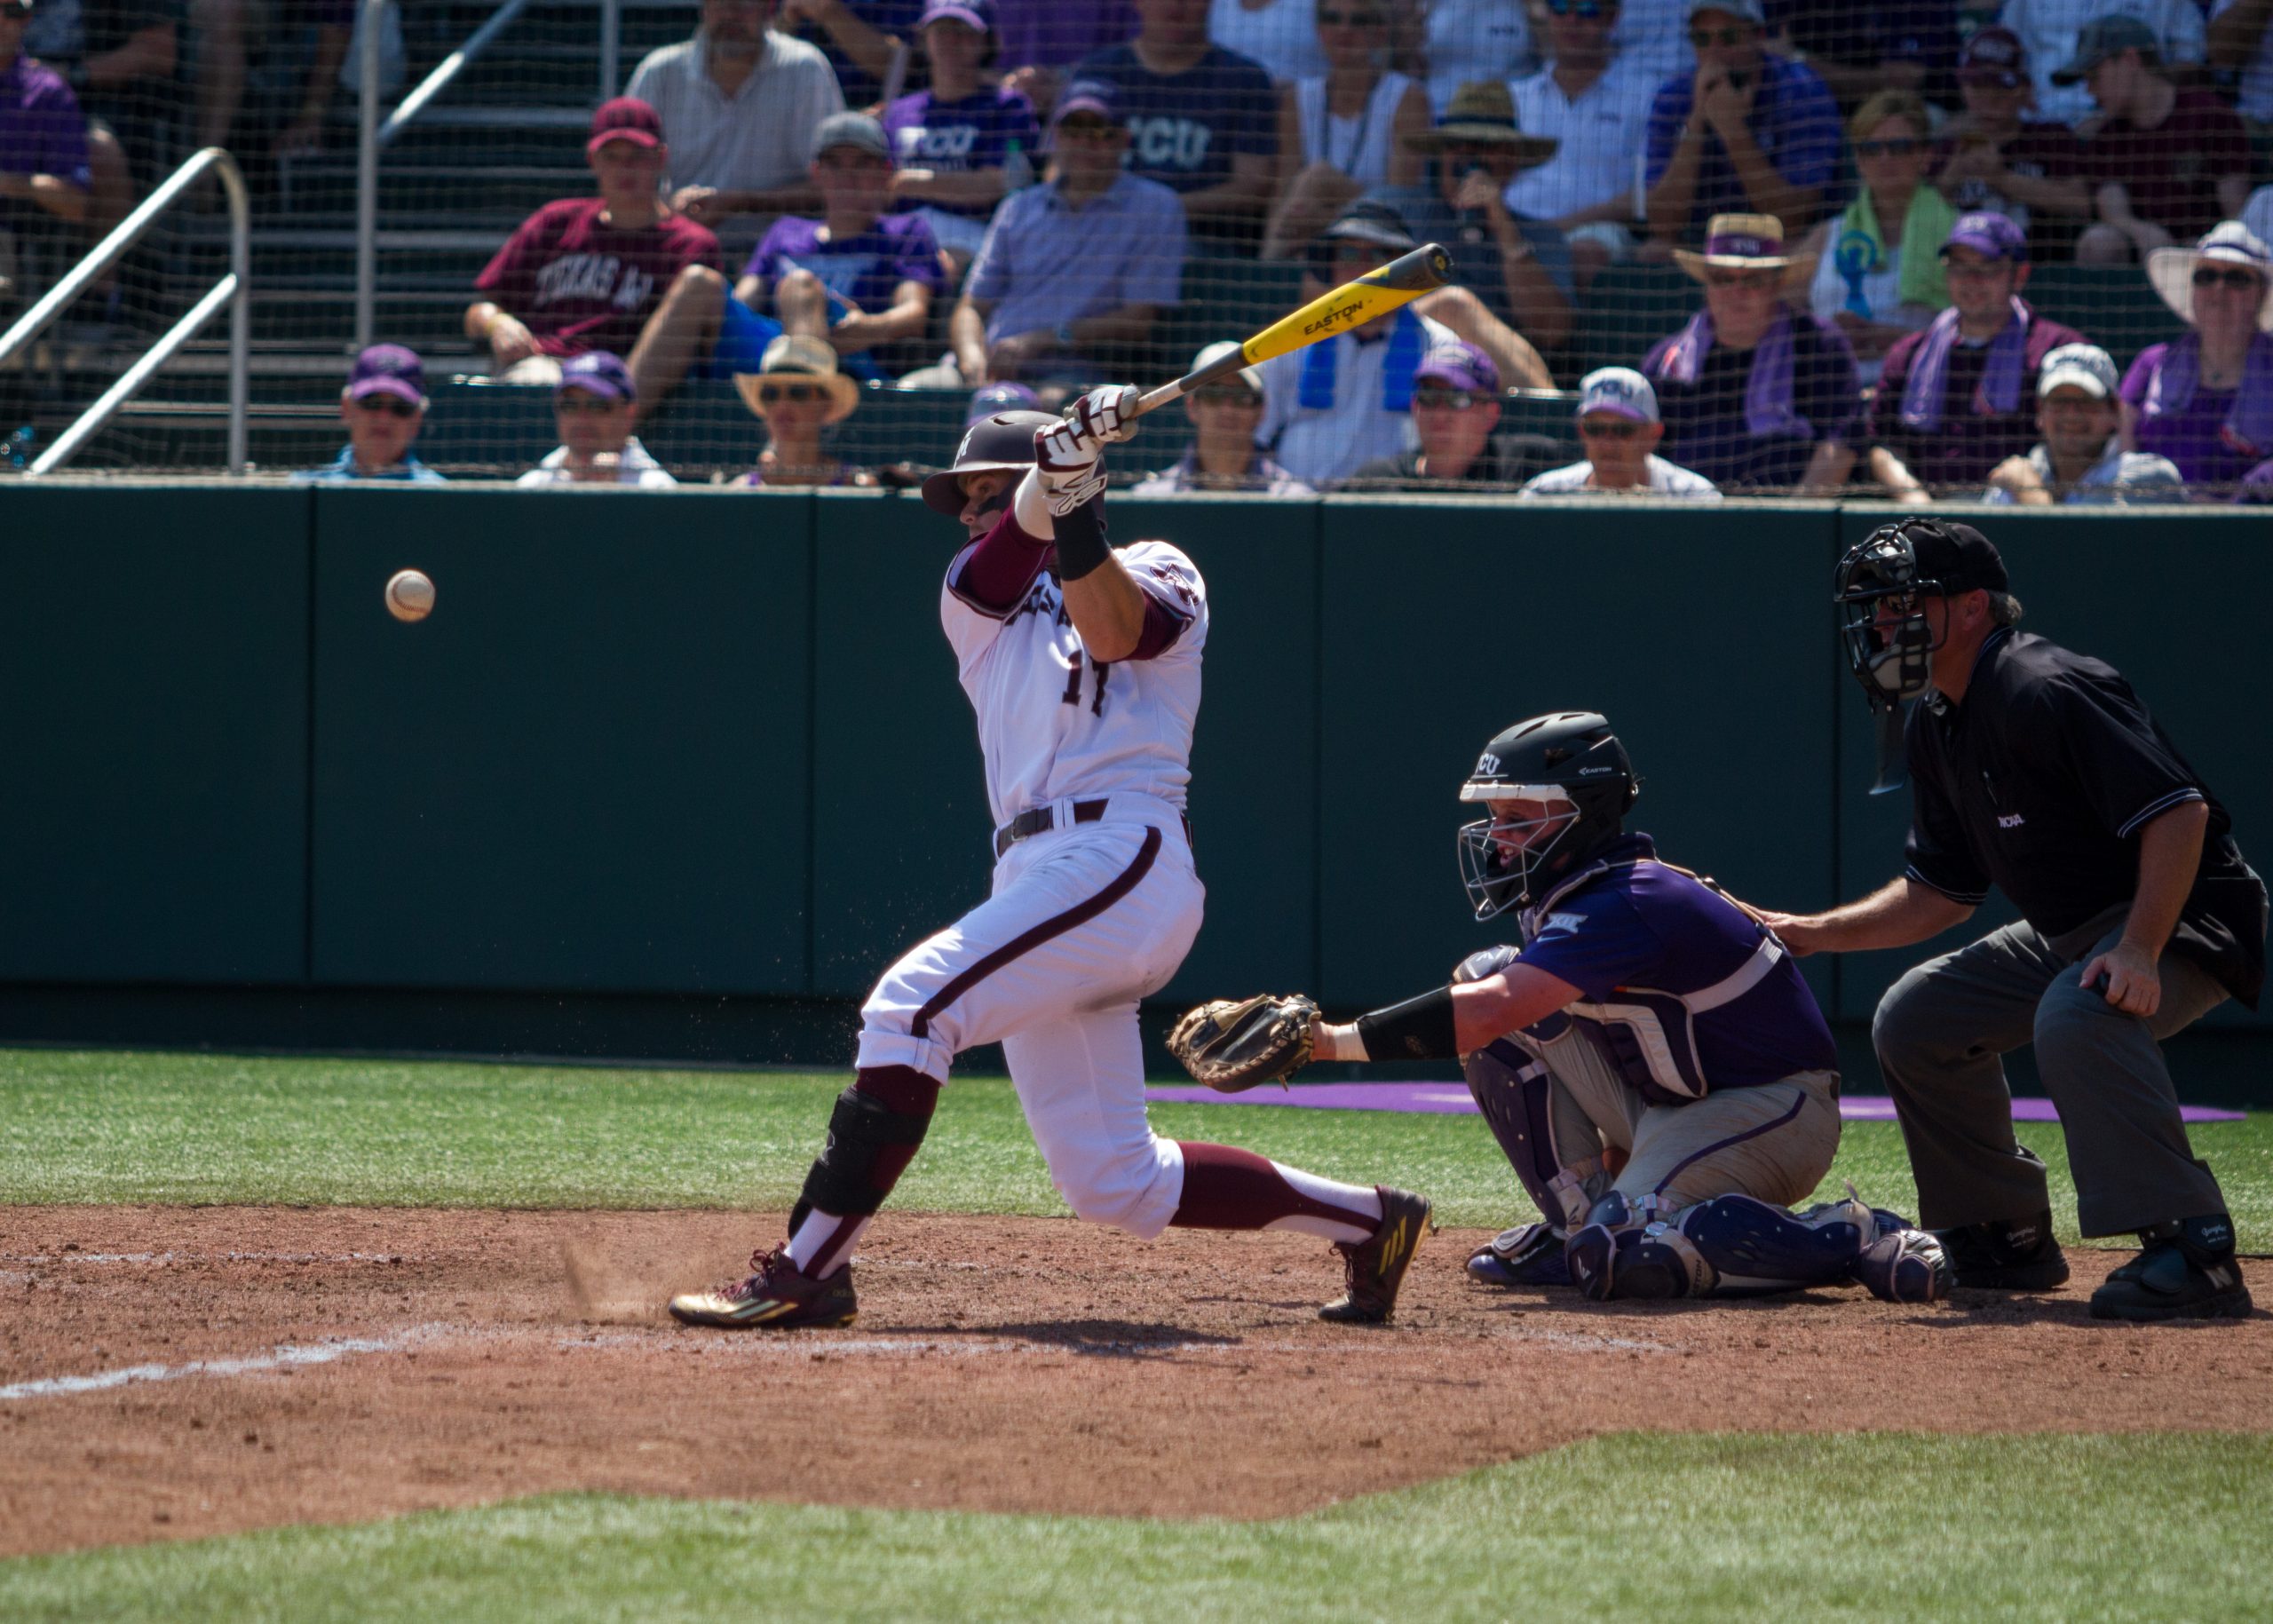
[(1629, 308)]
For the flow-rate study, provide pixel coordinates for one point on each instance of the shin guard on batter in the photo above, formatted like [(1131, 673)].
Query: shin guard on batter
[(873, 1133)]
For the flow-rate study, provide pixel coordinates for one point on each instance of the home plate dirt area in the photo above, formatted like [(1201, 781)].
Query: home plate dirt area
[(171, 1373)]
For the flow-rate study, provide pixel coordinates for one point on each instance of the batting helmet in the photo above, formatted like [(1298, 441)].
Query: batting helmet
[(1569, 759), (1004, 441)]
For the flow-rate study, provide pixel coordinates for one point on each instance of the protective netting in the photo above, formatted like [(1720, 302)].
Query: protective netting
[(1055, 195)]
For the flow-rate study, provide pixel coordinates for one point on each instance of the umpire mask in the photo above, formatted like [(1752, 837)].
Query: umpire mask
[(1881, 588)]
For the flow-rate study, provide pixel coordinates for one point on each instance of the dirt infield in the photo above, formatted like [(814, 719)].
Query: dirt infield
[(337, 1365)]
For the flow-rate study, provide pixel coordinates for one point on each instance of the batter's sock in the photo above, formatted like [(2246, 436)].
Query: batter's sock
[(821, 1243), (1225, 1187)]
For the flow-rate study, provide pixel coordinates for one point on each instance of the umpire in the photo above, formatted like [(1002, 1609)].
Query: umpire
[(2039, 770)]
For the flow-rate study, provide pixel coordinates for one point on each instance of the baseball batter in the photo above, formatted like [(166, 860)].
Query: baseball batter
[(1083, 665), (1648, 1059)]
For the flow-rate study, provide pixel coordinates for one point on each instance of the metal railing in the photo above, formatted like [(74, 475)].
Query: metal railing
[(233, 290), (374, 136)]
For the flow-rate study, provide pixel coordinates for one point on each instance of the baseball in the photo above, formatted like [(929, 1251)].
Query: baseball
[(410, 595)]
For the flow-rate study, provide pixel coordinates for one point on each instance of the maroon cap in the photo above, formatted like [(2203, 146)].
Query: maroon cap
[(1994, 56), (627, 118)]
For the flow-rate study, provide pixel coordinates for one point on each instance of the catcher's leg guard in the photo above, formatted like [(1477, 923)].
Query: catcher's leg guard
[(1514, 1090), (1528, 1254), (1904, 1265), (1756, 1247), (1625, 1250)]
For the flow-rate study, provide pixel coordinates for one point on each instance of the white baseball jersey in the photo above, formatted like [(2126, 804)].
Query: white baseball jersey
[(1052, 723), (1666, 479)]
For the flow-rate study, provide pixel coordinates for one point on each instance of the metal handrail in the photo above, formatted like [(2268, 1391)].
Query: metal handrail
[(374, 136), (232, 290)]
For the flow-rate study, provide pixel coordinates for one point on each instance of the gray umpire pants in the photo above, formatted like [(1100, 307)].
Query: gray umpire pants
[(1942, 1032)]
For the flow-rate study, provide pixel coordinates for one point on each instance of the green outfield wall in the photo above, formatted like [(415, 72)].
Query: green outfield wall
[(708, 745)]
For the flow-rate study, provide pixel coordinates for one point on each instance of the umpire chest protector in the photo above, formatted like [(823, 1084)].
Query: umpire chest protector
[(1649, 1034)]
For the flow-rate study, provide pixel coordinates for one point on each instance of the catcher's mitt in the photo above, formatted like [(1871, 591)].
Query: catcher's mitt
[(1233, 1045)]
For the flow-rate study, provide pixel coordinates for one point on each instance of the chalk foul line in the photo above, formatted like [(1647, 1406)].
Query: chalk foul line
[(290, 1356)]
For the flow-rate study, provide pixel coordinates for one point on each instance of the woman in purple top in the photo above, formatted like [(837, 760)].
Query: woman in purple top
[(858, 277), (966, 141), (2205, 401)]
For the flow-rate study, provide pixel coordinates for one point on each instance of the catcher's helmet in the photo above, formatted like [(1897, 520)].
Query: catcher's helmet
[(1881, 587), (1569, 759), (1003, 440)]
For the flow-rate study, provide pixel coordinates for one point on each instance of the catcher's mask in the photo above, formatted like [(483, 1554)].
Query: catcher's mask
[(1881, 588), (1569, 762)]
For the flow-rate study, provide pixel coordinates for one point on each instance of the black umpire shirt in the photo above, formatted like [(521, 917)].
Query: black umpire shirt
[(2040, 782)]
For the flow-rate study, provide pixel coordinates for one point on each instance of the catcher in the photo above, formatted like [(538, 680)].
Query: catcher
[(1650, 1059)]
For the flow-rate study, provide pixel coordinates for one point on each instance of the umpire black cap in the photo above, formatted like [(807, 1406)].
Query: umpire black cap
[(1957, 557)]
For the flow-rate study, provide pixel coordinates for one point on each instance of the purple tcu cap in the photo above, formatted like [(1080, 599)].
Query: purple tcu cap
[(994, 397), (388, 369), (1462, 365), (1086, 96), (978, 15), (597, 372), (1988, 233)]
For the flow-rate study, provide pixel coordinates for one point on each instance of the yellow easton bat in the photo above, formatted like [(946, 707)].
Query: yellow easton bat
[(1330, 314)]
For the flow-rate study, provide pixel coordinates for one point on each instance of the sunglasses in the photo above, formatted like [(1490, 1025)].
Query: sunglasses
[(1703, 38), (1446, 399), (578, 400), (1618, 428), (394, 405), (1228, 394), (1901, 146), (2209, 276), (1587, 9), (797, 394), (1352, 19)]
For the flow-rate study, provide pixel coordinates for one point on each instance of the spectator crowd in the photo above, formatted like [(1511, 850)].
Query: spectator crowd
[(816, 197)]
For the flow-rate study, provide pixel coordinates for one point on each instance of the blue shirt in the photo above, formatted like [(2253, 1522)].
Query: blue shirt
[(1795, 118), (1183, 129), (1046, 262), (1642, 924), (343, 471)]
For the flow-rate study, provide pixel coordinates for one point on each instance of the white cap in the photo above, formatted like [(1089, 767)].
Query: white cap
[(1215, 352), (2086, 366), (1620, 391)]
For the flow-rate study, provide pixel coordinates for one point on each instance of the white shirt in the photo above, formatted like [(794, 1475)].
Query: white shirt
[(1603, 135), (1882, 291), (2118, 476), (1320, 445), (1283, 36), (1666, 479), (1359, 146), (1474, 40), (2049, 29), (763, 138), (634, 466), (2255, 99), (1052, 724)]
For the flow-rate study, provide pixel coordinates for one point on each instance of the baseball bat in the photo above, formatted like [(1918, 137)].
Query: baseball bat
[(1397, 283)]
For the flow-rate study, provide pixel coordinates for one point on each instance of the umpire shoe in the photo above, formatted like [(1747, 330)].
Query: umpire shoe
[(1528, 1254), (2006, 1254), (1374, 1269), (2187, 1271), (777, 1297)]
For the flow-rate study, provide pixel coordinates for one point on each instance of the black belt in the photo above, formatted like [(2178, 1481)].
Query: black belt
[(1041, 820)]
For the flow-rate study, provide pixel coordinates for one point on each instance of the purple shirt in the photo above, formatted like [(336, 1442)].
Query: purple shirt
[(866, 270), (960, 136), (1966, 444), (1642, 924), (40, 129), (2190, 437), (1048, 34), (1794, 118), (1184, 129)]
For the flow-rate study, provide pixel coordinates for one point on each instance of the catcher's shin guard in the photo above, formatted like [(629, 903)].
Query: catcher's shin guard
[(1625, 1251), (1514, 1091), (1529, 1254), (1904, 1265), (1757, 1247)]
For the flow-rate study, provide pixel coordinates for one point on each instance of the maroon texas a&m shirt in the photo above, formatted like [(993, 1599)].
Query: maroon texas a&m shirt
[(579, 284)]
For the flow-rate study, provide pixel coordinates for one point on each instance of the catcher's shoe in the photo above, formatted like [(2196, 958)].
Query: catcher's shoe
[(1528, 1254), (777, 1297), (1376, 1268), (1904, 1265), (2187, 1271), (2008, 1254)]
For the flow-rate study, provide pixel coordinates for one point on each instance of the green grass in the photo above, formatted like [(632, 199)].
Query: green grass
[(1688, 1529), (113, 1127)]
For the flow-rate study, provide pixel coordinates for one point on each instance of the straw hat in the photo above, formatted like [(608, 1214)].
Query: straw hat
[(2227, 242), (797, 356), (1483, 112), (1746, 243)]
